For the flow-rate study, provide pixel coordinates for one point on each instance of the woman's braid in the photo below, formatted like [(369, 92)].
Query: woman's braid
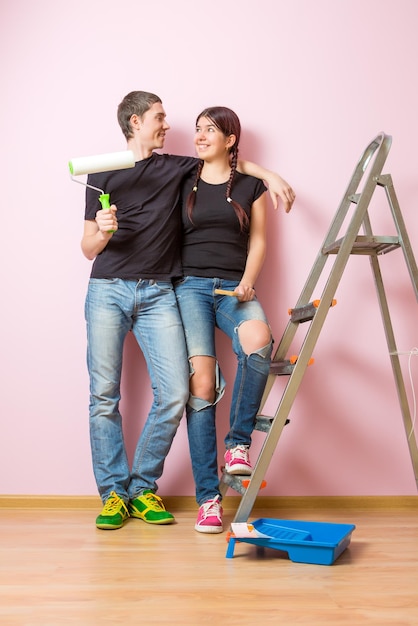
[(191, 198), (239, 211)]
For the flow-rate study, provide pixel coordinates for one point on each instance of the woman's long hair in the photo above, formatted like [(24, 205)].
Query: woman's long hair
[(228, 123)]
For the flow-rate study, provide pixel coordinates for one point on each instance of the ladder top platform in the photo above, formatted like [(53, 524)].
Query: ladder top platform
[(364, 244)]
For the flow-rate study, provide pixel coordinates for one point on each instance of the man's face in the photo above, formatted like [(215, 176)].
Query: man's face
[(153, 127)]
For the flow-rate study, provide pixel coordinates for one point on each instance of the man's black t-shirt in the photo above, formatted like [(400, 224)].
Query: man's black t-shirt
[(147, 242)]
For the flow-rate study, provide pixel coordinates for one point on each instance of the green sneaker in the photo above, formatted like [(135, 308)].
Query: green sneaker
[(114, 513), (150, 508)]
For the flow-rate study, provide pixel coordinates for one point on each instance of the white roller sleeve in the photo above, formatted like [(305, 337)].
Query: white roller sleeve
[(102, 163)]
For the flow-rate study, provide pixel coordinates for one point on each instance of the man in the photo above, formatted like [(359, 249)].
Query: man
[(136, 250)]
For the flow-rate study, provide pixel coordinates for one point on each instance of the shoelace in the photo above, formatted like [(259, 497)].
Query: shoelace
[(154, 500), (211, 508), (113, 504), (240, 452)]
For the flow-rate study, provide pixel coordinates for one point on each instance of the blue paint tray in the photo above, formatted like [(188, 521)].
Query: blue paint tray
[(320, 543)]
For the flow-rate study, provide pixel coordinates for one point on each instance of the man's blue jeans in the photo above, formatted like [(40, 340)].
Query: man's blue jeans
[(201, 311), (148, 309)]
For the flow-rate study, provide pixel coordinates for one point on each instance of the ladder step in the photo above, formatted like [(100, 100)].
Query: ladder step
[(285, 367), (306, 312), (263, 423), (366, 245), (281, 368), (238, 483)]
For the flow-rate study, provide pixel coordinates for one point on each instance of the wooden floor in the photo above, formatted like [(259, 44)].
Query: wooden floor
[(56, 568)]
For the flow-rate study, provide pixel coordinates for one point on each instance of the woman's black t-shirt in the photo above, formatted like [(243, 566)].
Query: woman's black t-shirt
[(213, 245)]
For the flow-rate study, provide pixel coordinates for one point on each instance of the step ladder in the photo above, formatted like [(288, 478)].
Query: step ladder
[(369, 170)]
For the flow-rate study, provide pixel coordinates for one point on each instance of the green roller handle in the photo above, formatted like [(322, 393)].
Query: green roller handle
[(105, 202)]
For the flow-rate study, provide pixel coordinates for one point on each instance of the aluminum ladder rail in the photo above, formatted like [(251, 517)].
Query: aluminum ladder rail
[(371, 165)]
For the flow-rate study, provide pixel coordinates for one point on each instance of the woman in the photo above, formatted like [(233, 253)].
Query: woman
[(224, 244)]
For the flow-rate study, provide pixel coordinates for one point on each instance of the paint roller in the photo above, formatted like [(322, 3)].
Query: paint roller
[(101, 163)]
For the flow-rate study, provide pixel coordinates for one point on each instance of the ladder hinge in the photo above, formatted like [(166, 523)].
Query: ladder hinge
[(355, 197), (384, 180)]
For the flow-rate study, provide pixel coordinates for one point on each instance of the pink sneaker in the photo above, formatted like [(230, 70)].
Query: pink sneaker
[(209, 519), (237, 461)]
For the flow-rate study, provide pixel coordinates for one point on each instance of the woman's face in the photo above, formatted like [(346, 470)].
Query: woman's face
[(210, 142)]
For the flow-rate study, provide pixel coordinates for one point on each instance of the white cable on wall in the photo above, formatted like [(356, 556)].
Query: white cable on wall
[(413, 352)]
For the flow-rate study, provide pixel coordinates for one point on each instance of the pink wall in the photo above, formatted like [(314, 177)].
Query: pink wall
[(313, 83)]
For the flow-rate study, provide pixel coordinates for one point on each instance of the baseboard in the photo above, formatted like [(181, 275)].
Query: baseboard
[(185, 503)]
